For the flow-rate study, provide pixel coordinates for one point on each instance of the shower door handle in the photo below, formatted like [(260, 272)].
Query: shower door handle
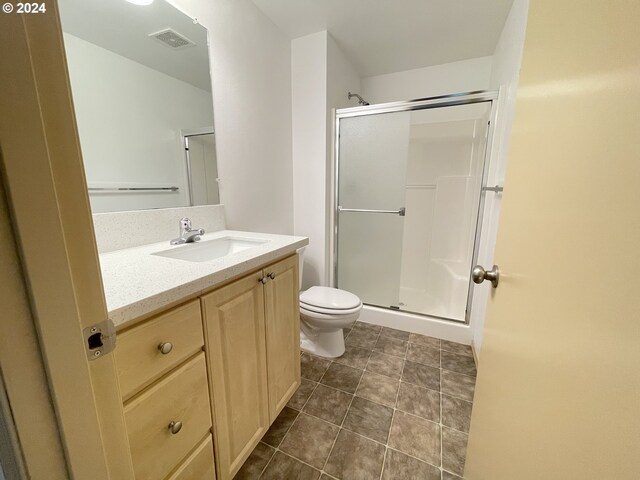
[(479, 275), (401, 211)]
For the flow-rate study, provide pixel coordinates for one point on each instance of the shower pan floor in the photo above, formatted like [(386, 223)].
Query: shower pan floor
[(420, 301)]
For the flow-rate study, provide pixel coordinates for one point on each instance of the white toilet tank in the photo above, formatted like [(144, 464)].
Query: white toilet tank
[(300, 253)]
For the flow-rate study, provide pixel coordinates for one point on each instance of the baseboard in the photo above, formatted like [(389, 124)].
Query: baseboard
[(475, 353)]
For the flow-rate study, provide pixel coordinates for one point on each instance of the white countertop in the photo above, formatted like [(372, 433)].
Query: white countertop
[(137, 283)]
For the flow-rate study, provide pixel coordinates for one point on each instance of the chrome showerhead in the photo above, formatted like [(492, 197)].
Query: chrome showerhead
[(361, 101)]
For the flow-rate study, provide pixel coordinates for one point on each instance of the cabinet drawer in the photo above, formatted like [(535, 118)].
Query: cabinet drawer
[(199, 466), (182, 396), (138, 356)]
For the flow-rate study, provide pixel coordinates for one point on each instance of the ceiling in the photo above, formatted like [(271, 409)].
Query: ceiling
[(124, 28), (385, 36)]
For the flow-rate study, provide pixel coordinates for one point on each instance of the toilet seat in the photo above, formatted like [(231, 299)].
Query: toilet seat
[(323, 322), (328, 311), (329, 300)]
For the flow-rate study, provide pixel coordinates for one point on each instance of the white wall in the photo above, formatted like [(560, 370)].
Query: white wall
[(342, 78), (456, 77), (321, 77), (122, 146), (505, 72), (309, 119), (251, 72)]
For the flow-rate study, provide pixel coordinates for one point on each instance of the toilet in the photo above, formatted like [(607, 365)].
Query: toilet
[(324, 313)]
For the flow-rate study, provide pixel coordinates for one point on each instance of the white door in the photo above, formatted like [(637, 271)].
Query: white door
[(558, 390)]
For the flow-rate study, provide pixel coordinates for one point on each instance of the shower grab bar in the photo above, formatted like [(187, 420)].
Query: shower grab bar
[(401, 211), (496, 189), (133, 189)]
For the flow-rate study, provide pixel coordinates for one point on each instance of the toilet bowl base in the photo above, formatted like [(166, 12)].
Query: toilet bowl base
[(327, 344)]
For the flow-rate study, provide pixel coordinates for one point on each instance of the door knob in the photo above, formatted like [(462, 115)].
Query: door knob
[(479, 275)]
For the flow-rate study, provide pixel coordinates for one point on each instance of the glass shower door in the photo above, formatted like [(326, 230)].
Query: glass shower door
[(372, 165), (409, 196)]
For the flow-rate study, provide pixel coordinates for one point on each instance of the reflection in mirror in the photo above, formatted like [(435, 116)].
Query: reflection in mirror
[(141, 87), (202, 169)]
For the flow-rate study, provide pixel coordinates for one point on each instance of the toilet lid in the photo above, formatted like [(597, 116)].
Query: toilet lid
[(330, 312), (329, 298)]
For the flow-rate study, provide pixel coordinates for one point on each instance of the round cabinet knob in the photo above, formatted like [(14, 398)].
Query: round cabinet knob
[(263, 280), (165, 348), (272, 275), (479, 275), (175, 427)]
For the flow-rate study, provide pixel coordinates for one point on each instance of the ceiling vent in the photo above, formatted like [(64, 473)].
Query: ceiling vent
[(171, 38)]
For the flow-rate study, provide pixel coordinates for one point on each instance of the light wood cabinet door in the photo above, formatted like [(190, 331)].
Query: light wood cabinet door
[(282, 312), (235, 343)]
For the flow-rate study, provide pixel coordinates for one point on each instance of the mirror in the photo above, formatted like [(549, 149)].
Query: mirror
[(202, 168), (141, 89)]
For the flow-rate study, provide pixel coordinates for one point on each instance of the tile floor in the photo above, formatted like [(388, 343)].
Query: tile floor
[(395, 406)]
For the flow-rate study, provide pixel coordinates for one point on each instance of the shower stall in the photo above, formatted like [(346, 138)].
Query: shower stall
[(410, 180)]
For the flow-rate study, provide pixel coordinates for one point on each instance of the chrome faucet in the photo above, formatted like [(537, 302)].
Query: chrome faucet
[(187, 234)]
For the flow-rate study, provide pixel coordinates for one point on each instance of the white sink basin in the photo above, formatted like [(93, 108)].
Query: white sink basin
[(211, 249)]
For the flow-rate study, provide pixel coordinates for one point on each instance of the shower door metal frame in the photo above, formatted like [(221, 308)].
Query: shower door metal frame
[(184, 142), (456, 99)]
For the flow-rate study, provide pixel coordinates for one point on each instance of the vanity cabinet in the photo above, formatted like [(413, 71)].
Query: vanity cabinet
[(148, 351), (282, 313), (252, 334), (169, 419), (225, 363), (162, 372)]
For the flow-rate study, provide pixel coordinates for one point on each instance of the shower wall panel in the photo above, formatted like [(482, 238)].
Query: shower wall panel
[(443, 180)]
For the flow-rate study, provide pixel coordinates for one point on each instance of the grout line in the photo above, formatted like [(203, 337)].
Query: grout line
[(347, 336), (413, 457), (441, 368), (351, 366), (348, 408), (332, 388), (295, 458), (308, 398), (384, 458), (275, 450), (441, 426), (359, 435), (394, 408), (458, 373)]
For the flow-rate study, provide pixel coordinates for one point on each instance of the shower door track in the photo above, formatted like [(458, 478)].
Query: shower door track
[(455, 99)]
